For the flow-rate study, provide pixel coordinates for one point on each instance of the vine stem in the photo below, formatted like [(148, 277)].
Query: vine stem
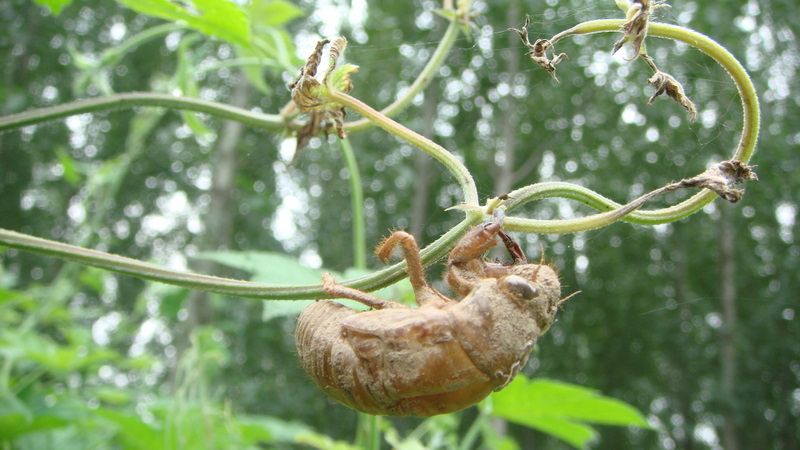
[(453, 164), (357, 205), (272, 122), (436, 250), (744, 150), (240, 288), (423, 79)]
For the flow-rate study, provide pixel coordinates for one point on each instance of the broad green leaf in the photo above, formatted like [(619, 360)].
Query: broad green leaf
[(18, 418), (132, 432), (113, 396), (256, 429), (220, 18), (267, 267), (279, 269), (14, 425), (13, 298), (55, 5), (67, 359), (272, 13), (576, 434), (323, 442), (255, 73), (93, 278), (562, 409), (272, 268), (184, 79), (172, 302)]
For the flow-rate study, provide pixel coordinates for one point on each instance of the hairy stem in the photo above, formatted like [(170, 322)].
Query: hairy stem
[(743, 152), (133, 99), (357, 205), (423, 79), (449, 160), (153, 272)]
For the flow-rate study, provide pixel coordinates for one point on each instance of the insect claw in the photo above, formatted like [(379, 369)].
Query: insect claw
[(513, 248)]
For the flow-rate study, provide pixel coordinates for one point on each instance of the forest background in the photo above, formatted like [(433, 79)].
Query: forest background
[(693, 323)]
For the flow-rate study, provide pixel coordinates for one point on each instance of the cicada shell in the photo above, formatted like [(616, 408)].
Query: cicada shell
[(443, 356)]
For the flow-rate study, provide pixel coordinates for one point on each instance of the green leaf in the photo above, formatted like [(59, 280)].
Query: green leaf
[(255, 429), (55, 5), (185, 81), (340, 78), (272, 268), (67, 359), (17, 418), (220, 18), (323, 442), (113, 396), (14, 425), (71, 173), (132, 432), (267, 267), (93, 278), (254, 73), (562, 410), (272, 13), (279, 269)]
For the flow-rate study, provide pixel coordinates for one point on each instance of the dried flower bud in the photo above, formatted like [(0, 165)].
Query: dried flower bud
[(538, 50), (635, 28), (308, 93), (719, 177), (667, 84)]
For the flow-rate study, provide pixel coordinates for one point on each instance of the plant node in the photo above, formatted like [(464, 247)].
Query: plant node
[(635, 27), (720, 177), (309, 94)]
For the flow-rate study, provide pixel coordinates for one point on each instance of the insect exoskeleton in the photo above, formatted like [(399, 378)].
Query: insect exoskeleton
[(443, 356)]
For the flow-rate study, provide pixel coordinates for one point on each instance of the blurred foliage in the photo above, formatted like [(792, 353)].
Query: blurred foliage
[(93, 359)]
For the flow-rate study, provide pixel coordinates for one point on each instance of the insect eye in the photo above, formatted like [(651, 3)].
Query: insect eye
[(519, 287)]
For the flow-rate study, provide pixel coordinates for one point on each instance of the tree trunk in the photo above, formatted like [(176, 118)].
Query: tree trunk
[(728, 354), (218, 222), (504, 175), (422, 167)]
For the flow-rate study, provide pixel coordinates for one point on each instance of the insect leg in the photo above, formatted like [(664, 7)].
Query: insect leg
[(478, 240), (424, 293), (513, 248), (330, 287)]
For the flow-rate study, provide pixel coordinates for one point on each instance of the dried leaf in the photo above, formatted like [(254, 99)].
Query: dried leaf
[(720, 177), (308, 93), (667, 84), (538, 50), (635, 28)]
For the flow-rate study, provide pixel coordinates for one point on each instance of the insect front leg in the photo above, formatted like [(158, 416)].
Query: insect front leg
[(465, 266), (478, 240), (424, 293), (330, 287)]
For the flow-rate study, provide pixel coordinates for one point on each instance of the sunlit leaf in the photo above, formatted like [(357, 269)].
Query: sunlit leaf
[(71, 173), (256, 429), (562, 410), (322, 442), (267, 267), (272, 13), (55, 5), (132, 431), (223, 19)]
